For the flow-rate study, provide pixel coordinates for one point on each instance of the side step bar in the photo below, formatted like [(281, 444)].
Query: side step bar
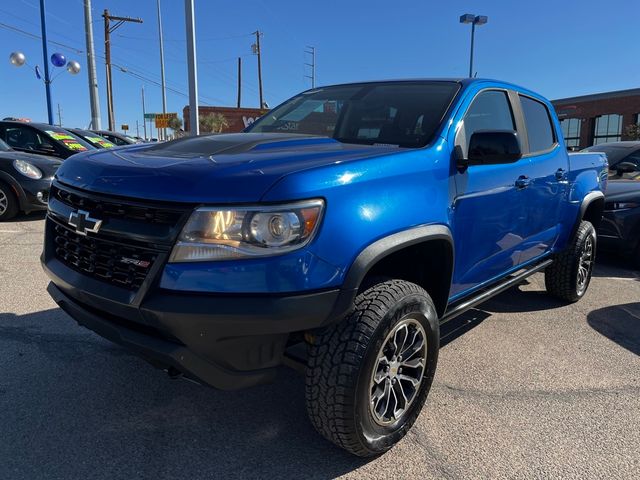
[(489, 292)]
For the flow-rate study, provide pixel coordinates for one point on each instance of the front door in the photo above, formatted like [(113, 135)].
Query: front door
[(488, 216)]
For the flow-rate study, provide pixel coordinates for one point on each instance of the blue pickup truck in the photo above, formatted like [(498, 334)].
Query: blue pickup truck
[(339, 232)]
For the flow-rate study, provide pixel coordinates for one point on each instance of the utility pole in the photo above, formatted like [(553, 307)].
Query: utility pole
[(164, 90), (59, 116), (312, 51), (144, 115), (258, 52), (137, 129), (239, 80), (45, 54), (194, 125), (108, 30), (91, 67)]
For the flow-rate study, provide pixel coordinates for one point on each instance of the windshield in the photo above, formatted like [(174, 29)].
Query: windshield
[(67, 139), (4, 147), (406, 114), (615, 153), (93, 138)]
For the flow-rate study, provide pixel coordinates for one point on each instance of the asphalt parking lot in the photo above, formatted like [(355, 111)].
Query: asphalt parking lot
[(527, 388)]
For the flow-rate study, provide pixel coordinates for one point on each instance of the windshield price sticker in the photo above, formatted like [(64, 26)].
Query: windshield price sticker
[(68, 141), (100, 141)]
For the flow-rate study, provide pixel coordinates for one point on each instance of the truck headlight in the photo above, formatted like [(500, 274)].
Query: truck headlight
[(222, 233), (27, 169)]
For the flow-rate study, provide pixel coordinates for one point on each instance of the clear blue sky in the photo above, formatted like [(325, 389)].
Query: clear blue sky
[(556, 47)]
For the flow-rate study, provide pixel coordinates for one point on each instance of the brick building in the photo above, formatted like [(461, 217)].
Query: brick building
[(603, 117), (237, 118)]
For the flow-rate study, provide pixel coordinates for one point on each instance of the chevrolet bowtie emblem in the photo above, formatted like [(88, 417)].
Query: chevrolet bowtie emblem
[(83, 222)]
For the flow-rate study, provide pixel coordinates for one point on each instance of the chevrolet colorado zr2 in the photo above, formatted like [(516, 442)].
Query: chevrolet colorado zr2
[(350, 222)]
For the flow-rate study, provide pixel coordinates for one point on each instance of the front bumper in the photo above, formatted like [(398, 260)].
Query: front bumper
[(32, 194), (228, 342)]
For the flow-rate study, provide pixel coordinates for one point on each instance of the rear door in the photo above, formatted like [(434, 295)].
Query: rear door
[(546, 166), (488, 216)]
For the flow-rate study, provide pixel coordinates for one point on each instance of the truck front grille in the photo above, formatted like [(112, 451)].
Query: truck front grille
[(114, 209), (122, 265)]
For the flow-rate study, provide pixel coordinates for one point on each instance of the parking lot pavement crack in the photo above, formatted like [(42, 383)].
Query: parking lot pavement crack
[(441, 469), (559, 394)]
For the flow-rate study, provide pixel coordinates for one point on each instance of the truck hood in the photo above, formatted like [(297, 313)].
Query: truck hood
[(207, 169)]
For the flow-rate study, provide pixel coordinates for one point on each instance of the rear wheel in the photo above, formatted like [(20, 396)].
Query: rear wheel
[(8, 203), (568, 277), (369, 375)]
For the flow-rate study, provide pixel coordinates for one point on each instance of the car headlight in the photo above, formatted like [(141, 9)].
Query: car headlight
[(27, 169), (221, 233)]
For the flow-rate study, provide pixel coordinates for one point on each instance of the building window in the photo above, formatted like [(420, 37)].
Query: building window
[(608, 128), (571, 131)]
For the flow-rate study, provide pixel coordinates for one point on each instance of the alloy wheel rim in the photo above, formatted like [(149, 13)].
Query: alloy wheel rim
[(585, 264), (398, 372), (4, 202)]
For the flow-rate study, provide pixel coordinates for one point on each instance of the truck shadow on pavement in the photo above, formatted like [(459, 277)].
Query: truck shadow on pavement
[(81, 407), (619, 323), (30, 217)]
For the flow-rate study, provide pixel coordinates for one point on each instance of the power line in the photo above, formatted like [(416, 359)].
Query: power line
[(38, 37), (121, 66)]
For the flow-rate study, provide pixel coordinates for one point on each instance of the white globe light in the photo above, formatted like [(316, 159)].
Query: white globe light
[(17, 58), (73, 67)]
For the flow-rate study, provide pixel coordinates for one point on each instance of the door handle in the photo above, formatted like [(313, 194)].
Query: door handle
[(522, 182), (560, 174)]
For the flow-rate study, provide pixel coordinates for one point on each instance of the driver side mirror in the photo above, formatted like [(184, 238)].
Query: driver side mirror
[(625, 167), (491, 147)]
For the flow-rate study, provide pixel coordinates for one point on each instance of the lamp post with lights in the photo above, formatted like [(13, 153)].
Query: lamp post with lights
[(473, 20)]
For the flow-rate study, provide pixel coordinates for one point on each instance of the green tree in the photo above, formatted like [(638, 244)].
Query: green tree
[(213, 123), (632, 132), (175, 124)]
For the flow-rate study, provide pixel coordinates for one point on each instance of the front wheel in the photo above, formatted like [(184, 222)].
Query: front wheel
[(368, 376), (568, 277), (8, 203)]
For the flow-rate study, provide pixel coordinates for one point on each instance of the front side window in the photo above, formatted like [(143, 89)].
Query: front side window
[(539, 129), (608, 128), (406, 114), (490, 110), (571, 131), (26, 138)]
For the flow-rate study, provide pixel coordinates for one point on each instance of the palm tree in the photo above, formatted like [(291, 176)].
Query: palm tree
[(213, 123), (175, 124)]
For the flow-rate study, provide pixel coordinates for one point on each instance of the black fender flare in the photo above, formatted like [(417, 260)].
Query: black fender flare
[(382, 248), (587, 201), (13, 183)]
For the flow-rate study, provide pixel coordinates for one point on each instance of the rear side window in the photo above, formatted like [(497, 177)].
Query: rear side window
[(539, 130)]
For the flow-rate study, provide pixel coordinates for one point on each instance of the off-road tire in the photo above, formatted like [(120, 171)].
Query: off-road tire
[(342, 359), (561, 277), (11, 209)]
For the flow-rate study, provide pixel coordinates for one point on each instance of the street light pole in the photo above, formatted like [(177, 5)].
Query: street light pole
[(194, 125), (47, 78), (91, 68), (164, 91), (473, 20)]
